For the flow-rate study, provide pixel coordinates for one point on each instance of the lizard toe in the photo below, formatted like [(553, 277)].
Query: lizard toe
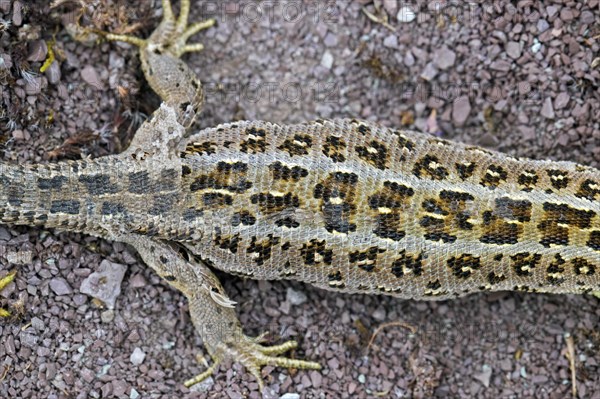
[(253, 356)]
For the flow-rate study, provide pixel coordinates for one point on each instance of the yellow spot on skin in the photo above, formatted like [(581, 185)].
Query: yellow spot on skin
[(492, 173), (318, 258), (584, 270), (336, 200), (434, 165), (372, 150), (384, 210)]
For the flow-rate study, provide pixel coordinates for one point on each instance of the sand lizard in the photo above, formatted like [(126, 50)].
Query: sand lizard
[(345, 205)]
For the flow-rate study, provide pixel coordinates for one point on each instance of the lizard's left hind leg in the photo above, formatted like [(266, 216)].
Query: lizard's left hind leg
[(212, 312)]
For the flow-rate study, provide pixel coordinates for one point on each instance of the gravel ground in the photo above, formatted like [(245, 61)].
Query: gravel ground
[(520, 77)]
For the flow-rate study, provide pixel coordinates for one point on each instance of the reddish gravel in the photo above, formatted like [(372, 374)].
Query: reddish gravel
[(520, 77)]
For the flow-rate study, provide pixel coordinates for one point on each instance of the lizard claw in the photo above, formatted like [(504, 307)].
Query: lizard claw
[(252, 355), (4, 281)]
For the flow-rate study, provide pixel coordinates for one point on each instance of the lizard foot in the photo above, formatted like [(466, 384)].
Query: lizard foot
[(252, 355), (4, 281), (172, 33)]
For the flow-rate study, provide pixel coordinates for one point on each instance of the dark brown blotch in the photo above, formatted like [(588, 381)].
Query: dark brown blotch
[(430, 166), (494, 278), (298, 145), (280, 171), (261, 250), (216, 200), (98, 184), (465, 169), (70, 207), (589, 189), (375, 154), (228, 242), (392, 199), (554, 271), (527, 180), (558, 178), (256, 141), (334, 148), (555, 217), (139, 182), (523, 263), (335, 279), (269, 203), (315, 252), (407, 263), (288, 222), (206, 147), (582, 267), (243, 217), (161, 204), (464, 265), (594, 240), (338, 194), (226, 176), (494, 176), (53, 183), (404, 142), (113, 208), (367, 259)]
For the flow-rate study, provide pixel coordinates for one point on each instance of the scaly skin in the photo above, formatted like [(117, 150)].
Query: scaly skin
[(344, 205)]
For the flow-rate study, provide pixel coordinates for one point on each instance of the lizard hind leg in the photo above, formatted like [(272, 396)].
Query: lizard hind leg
[(176, 84), (4, 281), (212, 312)]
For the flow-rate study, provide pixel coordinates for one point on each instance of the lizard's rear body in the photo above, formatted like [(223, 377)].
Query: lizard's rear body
[(343, 205)]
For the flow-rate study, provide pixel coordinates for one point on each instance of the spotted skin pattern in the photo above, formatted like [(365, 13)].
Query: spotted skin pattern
[(402, 213), (345, 205)]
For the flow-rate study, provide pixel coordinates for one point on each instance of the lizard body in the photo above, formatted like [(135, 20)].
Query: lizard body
[(341, 204), (344, 205)]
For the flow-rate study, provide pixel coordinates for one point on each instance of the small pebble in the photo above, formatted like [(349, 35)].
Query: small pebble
[(60, 286), (561, 100), (105, 284), (547, 109), (429, 73), (91, 77), (542, 25), (460, 110), (137, 357), (327, 60), (406, 14), (295, 297), (444, 58), (513, 49)]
